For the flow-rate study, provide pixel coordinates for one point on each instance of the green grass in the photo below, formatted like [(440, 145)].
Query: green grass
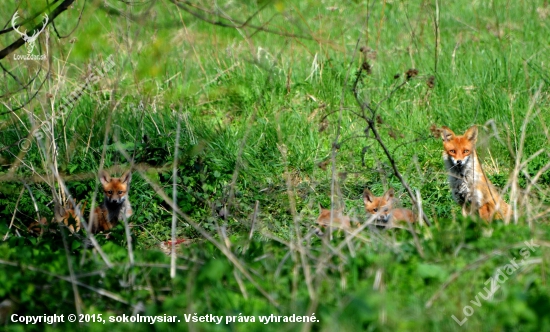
[(264, 110)]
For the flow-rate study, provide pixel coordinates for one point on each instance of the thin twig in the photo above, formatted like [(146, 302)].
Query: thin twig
[(14, 212), (254, 216), (174, 199), (436, 28), (187, 6), (372, 128), (73, 280), (33, 202)]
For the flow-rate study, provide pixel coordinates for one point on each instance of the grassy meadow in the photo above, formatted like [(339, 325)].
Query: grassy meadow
[(247, 116)]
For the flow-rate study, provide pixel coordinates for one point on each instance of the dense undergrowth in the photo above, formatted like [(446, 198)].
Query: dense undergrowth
[(270, 129)]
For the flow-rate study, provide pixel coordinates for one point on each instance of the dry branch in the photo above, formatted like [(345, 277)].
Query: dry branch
[(20, 42)]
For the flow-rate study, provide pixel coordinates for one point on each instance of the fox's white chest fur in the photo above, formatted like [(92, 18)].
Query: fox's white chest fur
[(462, 179), (118, 211)]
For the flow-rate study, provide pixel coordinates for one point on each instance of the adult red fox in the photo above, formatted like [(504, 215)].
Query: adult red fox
[(469, 185), (383, 207), (116, 206)]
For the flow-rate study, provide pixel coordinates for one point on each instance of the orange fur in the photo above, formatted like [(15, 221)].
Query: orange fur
[(469, 184), (383, 208), (338, 219), (70, 216), (62, 214), (116, 206), (37, 227)]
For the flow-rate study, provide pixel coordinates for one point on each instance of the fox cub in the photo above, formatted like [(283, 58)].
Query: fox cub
[(63, 214), (69, 216), (469, 185), (383, 207), (116, 206), (339, 220)]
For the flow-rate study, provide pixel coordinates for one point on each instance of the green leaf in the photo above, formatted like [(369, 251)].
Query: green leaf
[(432, 271)]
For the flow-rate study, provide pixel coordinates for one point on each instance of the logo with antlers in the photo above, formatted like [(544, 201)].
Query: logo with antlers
[(30, 41)]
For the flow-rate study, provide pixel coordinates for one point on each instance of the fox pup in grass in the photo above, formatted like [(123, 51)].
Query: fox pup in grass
[(69, 216), (116, 206), (339, 220), (63, 214), (469, 185), (383, 206)]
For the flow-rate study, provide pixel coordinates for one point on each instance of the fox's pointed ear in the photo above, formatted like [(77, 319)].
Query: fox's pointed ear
[(104, 177), (126, 177), (447, 134), (368, 197), (471, 134), (389, 194)]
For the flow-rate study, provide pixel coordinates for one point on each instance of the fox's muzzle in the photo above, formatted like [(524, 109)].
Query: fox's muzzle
[(460, 162), (383, 218), (117, 201)]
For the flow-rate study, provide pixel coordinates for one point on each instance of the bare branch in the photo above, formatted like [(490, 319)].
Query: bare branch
[(191, 9), (21, 41), (372, 128)]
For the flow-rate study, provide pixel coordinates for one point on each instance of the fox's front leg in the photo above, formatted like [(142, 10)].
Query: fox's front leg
[(486, 212), (464, 212), (128, 213)]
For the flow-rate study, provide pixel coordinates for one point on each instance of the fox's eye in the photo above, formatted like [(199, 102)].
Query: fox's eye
[(110, 192), (452, 151), (375, 210), (466, 151), (120, 192)]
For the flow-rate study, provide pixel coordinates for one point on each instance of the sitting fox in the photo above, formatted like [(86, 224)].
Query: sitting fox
[(383, 208), (116, 206), (469, 184)]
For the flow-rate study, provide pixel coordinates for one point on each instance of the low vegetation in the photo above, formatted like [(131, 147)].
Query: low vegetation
[(247, 116)]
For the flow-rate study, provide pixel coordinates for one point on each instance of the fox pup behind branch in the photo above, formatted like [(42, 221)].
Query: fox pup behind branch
[(383, 206), (339, 220), (116, 206), (70, 216), (469, 185)]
